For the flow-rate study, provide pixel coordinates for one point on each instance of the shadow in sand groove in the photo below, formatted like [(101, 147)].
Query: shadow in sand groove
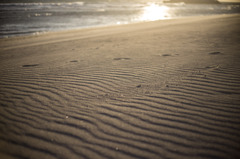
[(33, 65)]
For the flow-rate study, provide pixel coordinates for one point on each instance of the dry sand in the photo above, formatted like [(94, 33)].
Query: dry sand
[(165, 89)]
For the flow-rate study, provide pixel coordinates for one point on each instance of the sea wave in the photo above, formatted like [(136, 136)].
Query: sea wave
[(55, 16)]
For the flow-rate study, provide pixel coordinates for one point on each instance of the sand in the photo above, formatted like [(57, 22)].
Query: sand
[(164, 89)]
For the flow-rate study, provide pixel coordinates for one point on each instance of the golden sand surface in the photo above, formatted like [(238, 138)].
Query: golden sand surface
[(163, 89)]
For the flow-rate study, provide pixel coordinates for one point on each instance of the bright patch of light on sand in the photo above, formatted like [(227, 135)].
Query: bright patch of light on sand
[(155, 12)]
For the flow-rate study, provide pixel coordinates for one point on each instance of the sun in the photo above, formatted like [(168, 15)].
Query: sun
[(154, 12)]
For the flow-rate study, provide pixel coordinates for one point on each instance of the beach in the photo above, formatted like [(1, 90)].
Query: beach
[(161, 89)]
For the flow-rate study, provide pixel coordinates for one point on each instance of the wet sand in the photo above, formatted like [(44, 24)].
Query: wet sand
[(164, 89)]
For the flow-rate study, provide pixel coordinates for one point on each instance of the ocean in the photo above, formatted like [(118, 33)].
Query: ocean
[(37, 17)]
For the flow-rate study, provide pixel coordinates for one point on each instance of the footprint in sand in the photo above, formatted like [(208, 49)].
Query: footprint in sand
[(165, 55), (33, 65), (74, 61), (117, 59), (214, 53)]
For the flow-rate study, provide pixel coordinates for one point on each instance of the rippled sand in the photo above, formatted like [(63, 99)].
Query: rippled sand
[(167, 89)]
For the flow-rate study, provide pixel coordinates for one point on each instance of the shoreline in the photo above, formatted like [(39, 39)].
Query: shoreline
[(71, 32), (106, 25)]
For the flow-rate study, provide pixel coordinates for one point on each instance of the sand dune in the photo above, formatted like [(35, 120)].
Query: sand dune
[(166, 89)]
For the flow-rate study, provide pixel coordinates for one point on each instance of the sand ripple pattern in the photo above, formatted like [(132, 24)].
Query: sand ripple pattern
[(162, 92), (121, 112)]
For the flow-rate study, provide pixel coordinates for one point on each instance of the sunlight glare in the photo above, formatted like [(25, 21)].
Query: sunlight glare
[(155, 12)]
